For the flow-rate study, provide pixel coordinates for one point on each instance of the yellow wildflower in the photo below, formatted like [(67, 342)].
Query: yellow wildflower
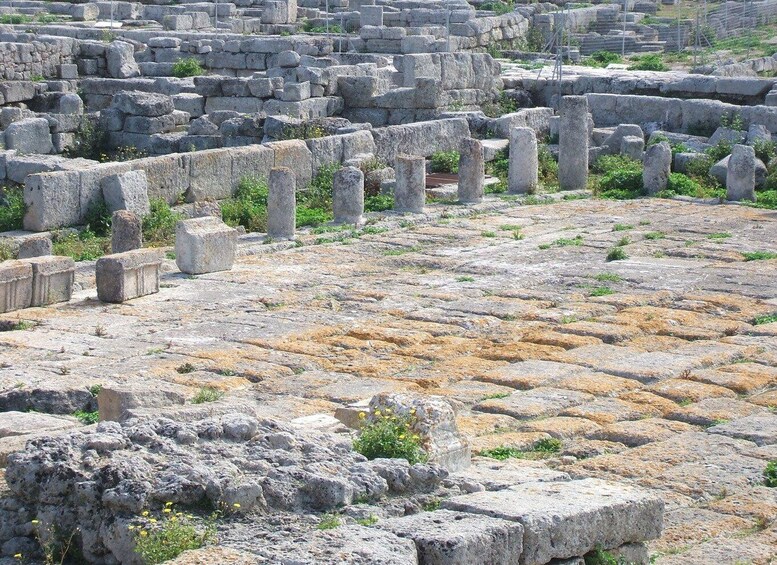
[(236, 505), (173, 518), (153, 520), (143, 533), (168, 503), (362, 415), (377, 412), (388, 410), (144, 513), (401, 436), (412, 410), (35, 522), (18, 556), (166, 511), (130, 528)]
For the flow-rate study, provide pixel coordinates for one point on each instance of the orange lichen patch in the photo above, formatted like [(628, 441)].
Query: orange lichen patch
[(639, 432), (474, 424), (609, 410), (523, 441), (599, 384), (681, 390), (649, 399), (735, 306), (754, 503), (621, 465), (457, 368), (608, 333), (621, 301), (557, 339), (680, 323), (768, 399), (657, 343), (445, 347), (561, 427), (690, 525), (742, 378), (374, 346), (521, 352), (403, 337), (402, 324)]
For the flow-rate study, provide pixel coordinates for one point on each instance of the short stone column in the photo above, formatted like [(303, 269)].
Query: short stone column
[(126, 231), (740, 176), (15, 285), (573, 143), (348, 196), (632, 146), (410, 189), (657, 167), (52, 279), (472, 172), (523, 172), (282, 204), (125, 276), (204, 245)]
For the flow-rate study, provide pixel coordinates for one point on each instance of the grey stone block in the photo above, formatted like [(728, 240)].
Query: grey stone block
[(129, 275), (67, 71), (127, 191), (658, 166), (29, 135), (137, 103), (281, 204), (116, 404), (348, 196), (296, 92), (570, 518), (455, 538), (410, 191), (53, 200), (15, 285), (204, 245), (120, 58), (34, 246), (740, 174), (52, 279)]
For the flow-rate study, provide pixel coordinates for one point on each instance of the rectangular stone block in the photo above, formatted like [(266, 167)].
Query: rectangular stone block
[(210, 175), (52, 279), (128, 275), (204, 245), (15, 286), (456, 538), (570, 518)]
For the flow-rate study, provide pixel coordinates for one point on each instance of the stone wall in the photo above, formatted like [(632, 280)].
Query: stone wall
[(28, 56), (674, 114)]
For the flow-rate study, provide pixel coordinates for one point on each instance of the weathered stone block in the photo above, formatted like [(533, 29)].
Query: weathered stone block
[(115, 404), (30, 135), (570, 518), (281, 204), (120, 58), (15, 285), (658, 166), (52, 279), (137, 103), (204, 245), (129, 275), (126, 231), (127, 191), (34, 246), (456, 538), (740, 174), (410, 190)]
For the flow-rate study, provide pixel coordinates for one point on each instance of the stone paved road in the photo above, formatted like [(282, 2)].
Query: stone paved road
[(650, 369)]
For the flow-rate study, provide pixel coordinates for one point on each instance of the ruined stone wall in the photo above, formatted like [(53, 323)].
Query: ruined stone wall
[(28, 56)]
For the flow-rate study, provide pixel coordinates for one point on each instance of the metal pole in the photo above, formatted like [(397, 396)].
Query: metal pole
[(216, 15), (327, 20), (448, 29), (111, 14), (679, 37)]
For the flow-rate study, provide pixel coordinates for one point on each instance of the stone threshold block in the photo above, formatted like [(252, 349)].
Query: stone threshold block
[(204, 245), (460, 538), (15, 286), (52, 279), (128, 275), (568, 519)]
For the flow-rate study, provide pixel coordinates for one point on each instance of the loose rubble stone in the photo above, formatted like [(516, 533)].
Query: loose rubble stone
[(37, 246), (127, 191), (740, 174), (658, 166)]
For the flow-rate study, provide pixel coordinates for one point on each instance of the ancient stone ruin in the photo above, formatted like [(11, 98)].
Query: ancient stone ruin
[(387, 281)]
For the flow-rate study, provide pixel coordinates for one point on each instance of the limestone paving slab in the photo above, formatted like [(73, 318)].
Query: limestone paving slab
[(566, 519)]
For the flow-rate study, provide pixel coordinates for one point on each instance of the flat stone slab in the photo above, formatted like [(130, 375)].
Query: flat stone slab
[(536, 403), (24, 423), (500, 475), (569, 519), (457, 538), (758, 428)]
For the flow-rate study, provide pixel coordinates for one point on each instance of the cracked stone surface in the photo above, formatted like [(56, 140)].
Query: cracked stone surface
[(650, 371)]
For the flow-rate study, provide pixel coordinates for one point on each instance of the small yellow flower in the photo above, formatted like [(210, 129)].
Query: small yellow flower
[(130, 528), (388, 410), (143, 533), (173, 518), (412, 410), (401, 436), (362, 415), (35, 522), (153, 520), (17, 556), (144, 513), (166, 511), (236, 505), (179, 513), (416, 437), (168, 503), (377, 412)]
